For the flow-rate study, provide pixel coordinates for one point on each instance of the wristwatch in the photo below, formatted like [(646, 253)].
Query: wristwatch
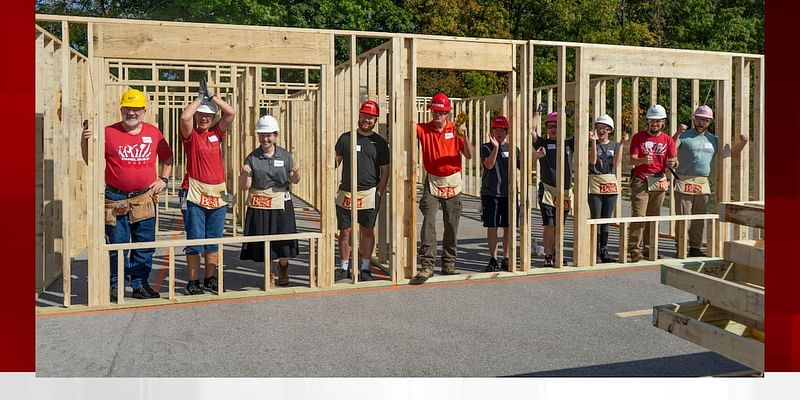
[(166, 180)]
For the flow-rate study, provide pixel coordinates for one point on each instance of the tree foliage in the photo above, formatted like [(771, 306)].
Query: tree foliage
[(723, 25)]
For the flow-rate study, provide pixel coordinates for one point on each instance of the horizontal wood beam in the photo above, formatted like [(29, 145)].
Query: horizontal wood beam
[(645, 61), (737, 298), (654, 218), (682, 321), (202, 242), (209, 43), (750, 214), (445, 54)]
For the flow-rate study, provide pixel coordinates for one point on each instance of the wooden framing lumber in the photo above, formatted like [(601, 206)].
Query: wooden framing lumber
[(646, 61), (737, 298), (449, 54), (721, 334), (750, 213), (745, 252)]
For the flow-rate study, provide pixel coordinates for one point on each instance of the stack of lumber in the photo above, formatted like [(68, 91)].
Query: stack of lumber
[(728, 317)]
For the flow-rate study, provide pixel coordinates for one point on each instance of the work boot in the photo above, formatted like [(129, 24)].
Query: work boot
[(549, 261), (491, 266), (341, 274), (646, 253), (283, 275), (421, 276), (193, 288), (365, 276), (451, 270), (604, 257), (145, 292), (504, 265), (211, 284), (635, 255), (695, 252)]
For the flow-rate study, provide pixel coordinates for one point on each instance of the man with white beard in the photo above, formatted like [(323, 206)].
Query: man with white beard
[(131, 147)]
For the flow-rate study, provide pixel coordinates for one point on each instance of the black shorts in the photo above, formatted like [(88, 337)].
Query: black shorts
[(366, 218), (494, 211)]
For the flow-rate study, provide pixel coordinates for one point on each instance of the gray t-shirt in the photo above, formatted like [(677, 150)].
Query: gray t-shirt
[(605, 158), (270, 172), (495, 181)]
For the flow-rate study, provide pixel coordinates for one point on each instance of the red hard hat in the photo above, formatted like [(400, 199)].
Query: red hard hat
[(370, 107), (500, 122), (440, 102)]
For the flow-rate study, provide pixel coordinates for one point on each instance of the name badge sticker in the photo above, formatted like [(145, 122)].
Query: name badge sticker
[(213, 139), (278, 163), (504, 154), (610, 152), (147, 139), (448, 135), (708, 146), (358, 147), (551, 146)]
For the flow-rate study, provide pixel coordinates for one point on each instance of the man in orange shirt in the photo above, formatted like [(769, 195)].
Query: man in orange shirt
[(442, 146)]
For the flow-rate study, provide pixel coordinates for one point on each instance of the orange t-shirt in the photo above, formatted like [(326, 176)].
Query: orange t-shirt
[(441, 151)]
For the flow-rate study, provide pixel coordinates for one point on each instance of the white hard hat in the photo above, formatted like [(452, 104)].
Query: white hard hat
[(207, 107), (267, 124), (606, 120), (656, 112)]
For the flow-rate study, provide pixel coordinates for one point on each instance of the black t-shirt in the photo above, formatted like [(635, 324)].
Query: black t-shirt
[(373, 152), (605, 158), (495, 181), (547, 163), (270, 172)]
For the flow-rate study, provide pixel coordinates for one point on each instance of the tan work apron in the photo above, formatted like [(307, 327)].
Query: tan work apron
[(693, 185), (551, 195), (206, 195), (365, 199), (603, 184), (445, 187), (266, 199), (657, 183)]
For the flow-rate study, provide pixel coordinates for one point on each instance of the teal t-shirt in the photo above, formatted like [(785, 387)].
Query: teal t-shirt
[(695, 153)]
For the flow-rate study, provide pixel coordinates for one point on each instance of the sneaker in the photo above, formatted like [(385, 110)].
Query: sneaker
[(365, 276), (421, 276), (341, 274), (491, 266), (211, 284), (504, 264), (549, 261), (193, 288), (449, 270), (604, 257), (635, 256), (695, 252), (145, 292)]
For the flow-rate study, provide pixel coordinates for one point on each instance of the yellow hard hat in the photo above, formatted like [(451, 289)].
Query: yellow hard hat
[(133, 98)]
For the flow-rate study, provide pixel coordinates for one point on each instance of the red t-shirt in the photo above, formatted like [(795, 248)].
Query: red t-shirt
[(661, 147), (131, 159), (441, 151), (204, 157)]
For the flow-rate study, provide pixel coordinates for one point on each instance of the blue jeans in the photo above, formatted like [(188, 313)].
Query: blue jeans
[(139, 262), (202, 223)]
